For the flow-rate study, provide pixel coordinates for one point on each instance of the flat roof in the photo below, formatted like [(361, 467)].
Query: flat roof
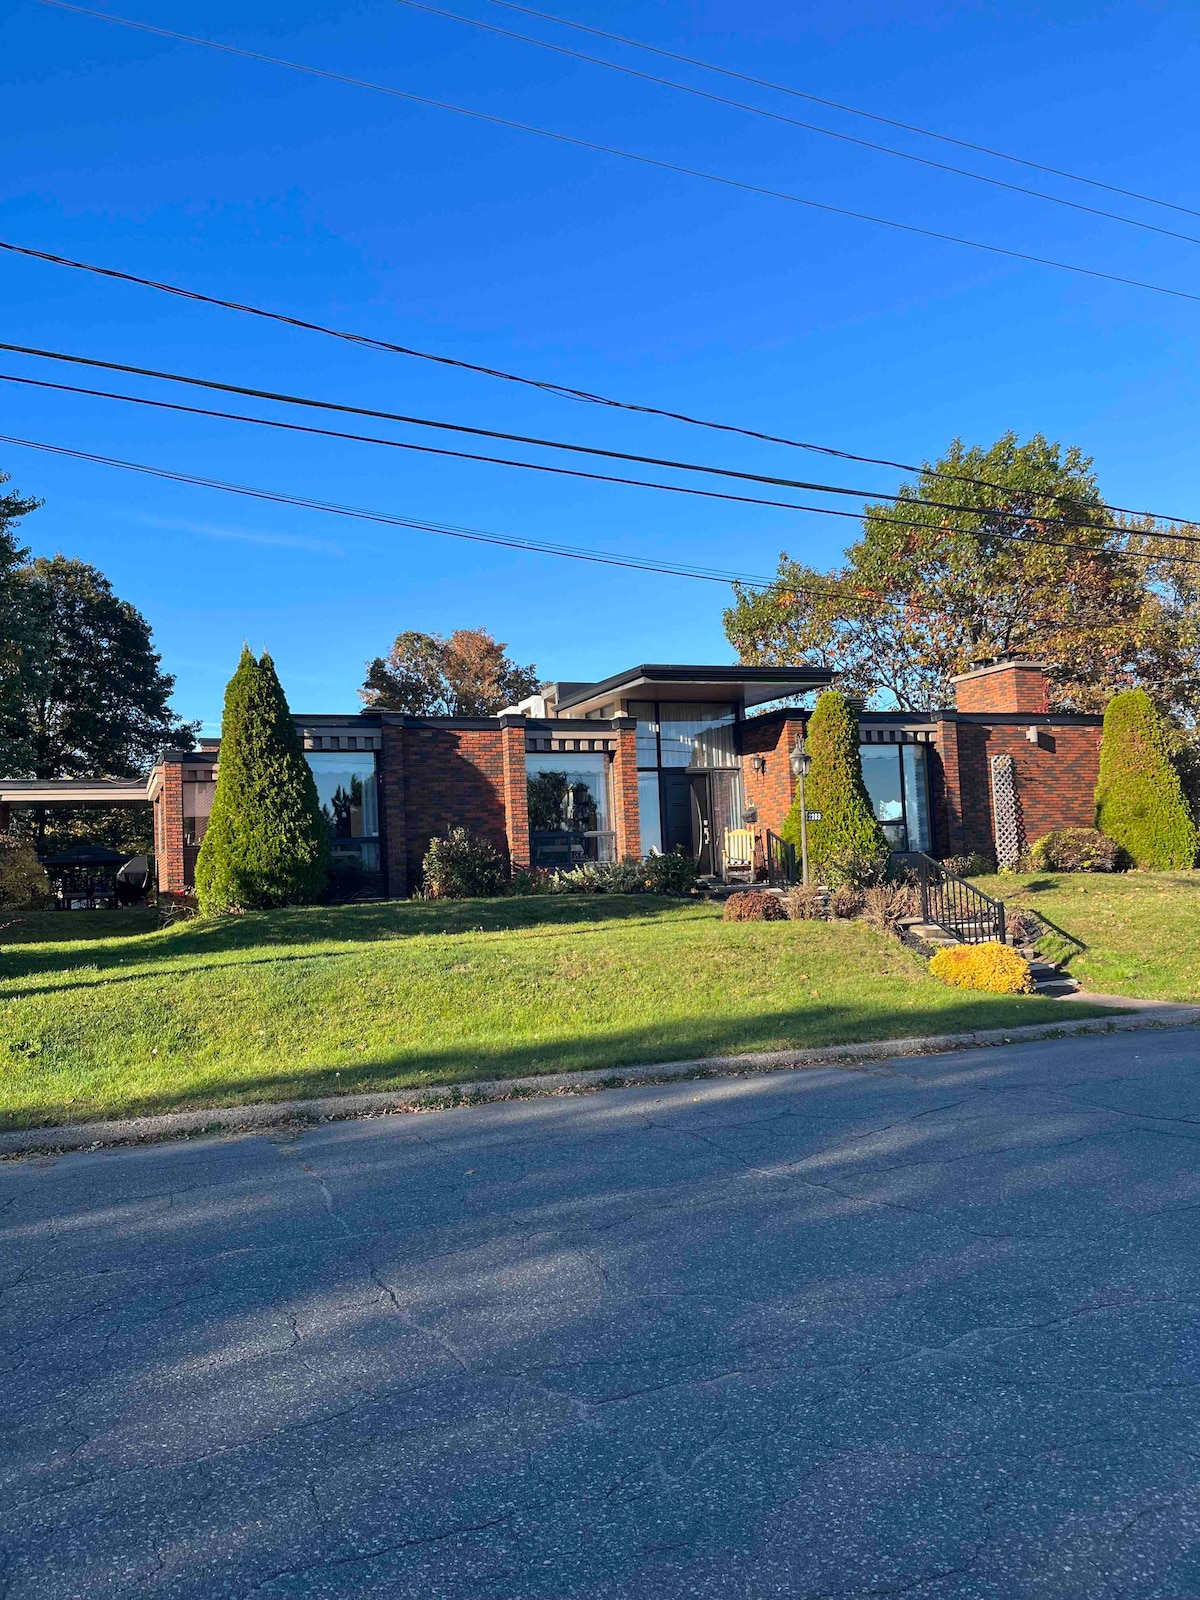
[(72, 791), (751, 685)]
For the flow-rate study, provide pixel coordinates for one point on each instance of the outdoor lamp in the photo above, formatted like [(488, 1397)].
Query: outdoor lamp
[(801, 764)]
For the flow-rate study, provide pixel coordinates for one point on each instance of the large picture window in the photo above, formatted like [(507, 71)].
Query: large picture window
[(897, 781), (347, 791), (569, 812)]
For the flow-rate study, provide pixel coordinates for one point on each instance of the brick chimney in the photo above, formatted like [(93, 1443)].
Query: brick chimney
[(1006, 686)]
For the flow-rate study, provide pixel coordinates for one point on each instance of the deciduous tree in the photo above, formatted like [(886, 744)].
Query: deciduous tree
[(465, 675), (956, 573)]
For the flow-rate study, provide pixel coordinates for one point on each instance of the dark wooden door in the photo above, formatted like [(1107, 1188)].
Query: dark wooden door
[(687, 815)]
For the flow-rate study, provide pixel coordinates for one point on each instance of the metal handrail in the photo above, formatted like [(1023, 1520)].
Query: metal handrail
[(780, 860), (951, 903)]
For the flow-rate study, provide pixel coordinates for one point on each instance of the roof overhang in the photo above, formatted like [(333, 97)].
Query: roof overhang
[(72, 791), (751, 686)]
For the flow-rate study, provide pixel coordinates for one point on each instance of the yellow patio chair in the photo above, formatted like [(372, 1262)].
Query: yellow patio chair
[(738, 851)]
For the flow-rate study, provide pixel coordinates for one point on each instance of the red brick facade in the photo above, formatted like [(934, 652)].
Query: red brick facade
[(436, 774)]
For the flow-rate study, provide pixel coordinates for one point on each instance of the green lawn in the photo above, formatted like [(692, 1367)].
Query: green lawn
[(126, 1019), (1139, 931)]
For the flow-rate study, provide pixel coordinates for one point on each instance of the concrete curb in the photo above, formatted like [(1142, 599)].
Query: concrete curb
[(333, 1108)]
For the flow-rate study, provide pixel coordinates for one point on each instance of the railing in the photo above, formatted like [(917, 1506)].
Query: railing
[(957, 906), (781, 860)]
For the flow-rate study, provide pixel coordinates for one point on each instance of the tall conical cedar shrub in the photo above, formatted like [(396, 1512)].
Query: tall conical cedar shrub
[(267, 842), (847, 832), (1140, 803)]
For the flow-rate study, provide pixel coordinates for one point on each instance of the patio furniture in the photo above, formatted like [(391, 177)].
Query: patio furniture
[(738, 852)]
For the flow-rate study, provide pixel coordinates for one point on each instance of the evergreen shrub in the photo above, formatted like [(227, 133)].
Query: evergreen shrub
[(754, 905), (1140, 801), (995, 968), (23, 881), (461, 866), (672, 873), (847, 845), (1075, 850), (267, 843)]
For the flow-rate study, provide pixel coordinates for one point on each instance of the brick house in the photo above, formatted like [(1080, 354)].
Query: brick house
[(656, 758)]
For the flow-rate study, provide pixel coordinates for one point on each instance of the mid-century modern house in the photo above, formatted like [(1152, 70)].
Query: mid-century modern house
[(655, 758)]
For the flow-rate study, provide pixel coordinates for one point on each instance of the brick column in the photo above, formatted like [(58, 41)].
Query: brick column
[(627, 816), (949, 837), (169, 833), (392, 816), (516, 800)]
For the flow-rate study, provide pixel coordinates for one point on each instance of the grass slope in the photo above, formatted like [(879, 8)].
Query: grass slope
[(124, 1019), (1139, 931)]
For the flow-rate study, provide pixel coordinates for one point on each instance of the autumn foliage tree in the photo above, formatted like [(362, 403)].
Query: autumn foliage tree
[(1004, 551), (465, 675)]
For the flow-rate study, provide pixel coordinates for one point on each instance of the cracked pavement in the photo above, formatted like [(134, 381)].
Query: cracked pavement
[(929, 1330)]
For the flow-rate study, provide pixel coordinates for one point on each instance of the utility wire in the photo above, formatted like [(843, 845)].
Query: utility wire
[(367, 341), (284, 398), (421, 525), (575, 472), (643, 160), (796, 122), (837, 105)]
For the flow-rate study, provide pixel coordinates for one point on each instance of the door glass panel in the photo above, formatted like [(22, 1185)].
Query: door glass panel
[(648, 807), (697, 735), (916, 796)]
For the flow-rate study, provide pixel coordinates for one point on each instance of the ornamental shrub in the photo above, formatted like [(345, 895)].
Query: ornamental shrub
[(23, 881), (1140, 801), (1075, 850), (846, 901), (847, 845), (885, 905), (461, 866), (996, 968), (267, 843), (754, 905), (806, 902), (973, 865), (673, 873)]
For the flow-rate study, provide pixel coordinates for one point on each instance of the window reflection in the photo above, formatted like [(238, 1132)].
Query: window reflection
[(897, 782), (568, 807), (697, 735), (346, 788)]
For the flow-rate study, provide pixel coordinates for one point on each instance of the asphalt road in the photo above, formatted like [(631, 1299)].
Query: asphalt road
[(931, 1331)]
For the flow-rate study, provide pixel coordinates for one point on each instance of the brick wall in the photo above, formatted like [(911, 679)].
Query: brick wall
[(1008, 686), (627, 815), (452, 777), (773, 738), (1056, 777), (173, 876)]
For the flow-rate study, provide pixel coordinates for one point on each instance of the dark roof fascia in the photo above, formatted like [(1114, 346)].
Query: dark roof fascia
[(777, 714), (332, 719), (404, 719), (663, 672), (1018, 719)]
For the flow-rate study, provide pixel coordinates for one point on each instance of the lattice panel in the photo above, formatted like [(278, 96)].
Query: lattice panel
[(1006, 812)]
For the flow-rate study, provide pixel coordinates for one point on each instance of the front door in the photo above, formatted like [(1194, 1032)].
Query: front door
[(687, 815)]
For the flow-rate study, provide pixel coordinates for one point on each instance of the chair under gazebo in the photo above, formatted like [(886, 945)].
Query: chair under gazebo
[(89, 877)]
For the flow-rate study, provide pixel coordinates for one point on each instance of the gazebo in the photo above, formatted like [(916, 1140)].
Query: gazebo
[(84, 877)]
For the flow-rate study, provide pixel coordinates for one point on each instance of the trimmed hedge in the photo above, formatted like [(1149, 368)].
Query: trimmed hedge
[(1140, 801), (847, 845), (1075, 850), (995, 968), (267, 843)]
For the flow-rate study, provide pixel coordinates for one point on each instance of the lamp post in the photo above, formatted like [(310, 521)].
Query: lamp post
[(800, 764)]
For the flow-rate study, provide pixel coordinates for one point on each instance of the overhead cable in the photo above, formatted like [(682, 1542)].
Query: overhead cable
[(656, 162), (838, 105), (797, 122), (370, 342)]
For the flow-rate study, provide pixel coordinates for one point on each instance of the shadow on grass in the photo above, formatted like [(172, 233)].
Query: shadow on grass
[(806, 1027), (376, 923)]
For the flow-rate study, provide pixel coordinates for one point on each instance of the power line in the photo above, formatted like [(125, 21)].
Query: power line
[(368, 341), (837, 105), (642, 160), (284, 398), (422, 525), (575, 472), (511, 438), (797, 122)]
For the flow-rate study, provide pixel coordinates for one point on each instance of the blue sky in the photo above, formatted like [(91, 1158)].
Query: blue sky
[(426, 228)]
